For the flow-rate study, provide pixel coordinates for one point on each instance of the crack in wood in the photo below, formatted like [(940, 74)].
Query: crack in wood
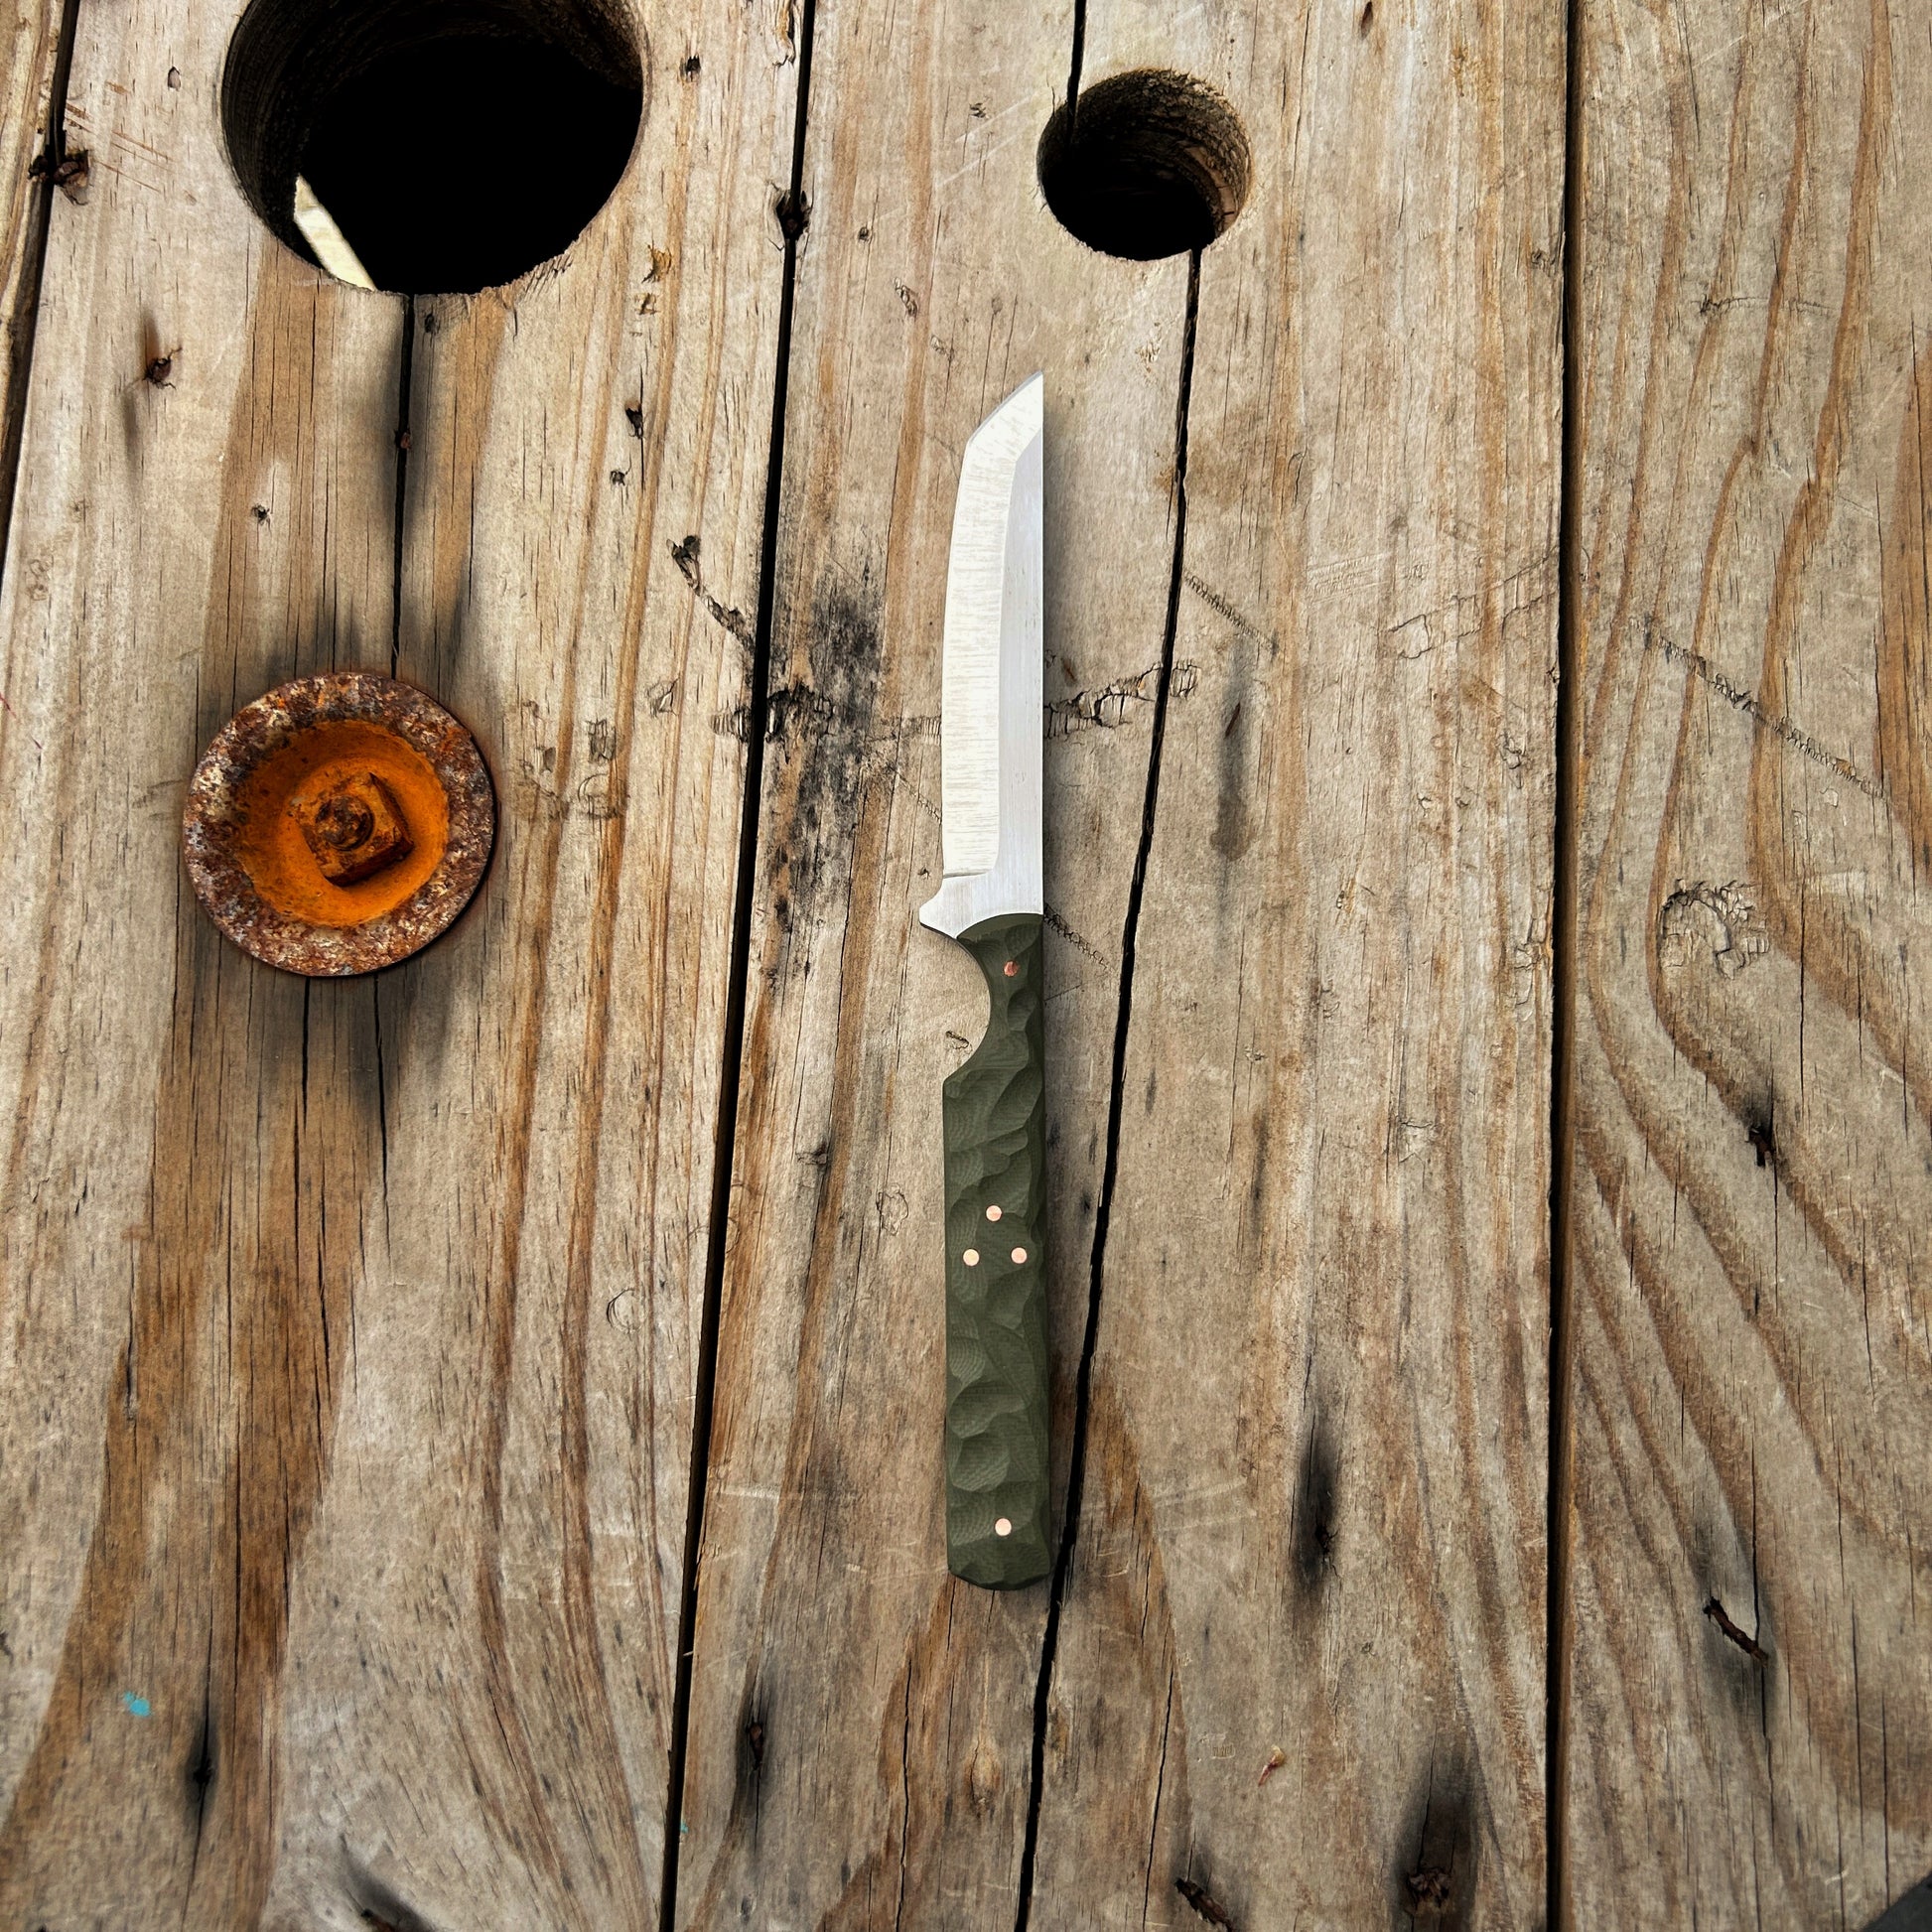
[(1123, 1025), (732, 1062)]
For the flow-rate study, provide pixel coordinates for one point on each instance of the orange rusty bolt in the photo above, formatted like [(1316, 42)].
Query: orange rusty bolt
[(338, 824), (355, 828)]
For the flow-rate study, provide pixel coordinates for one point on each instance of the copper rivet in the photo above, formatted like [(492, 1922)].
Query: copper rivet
[(992, 1213), (1020, 1254), (1004, 1527), (1011, 968), (338, 824), (971, 1257)]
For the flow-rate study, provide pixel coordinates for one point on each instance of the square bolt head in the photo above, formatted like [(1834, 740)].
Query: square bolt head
[(352, 826)]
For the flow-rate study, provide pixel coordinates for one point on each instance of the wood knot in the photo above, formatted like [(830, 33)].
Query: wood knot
[(1429, 1891), (794, 213), (1717, 924)]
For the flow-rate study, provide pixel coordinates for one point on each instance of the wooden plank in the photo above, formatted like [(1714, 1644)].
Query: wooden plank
[(181, 540), (27, 54), (587, 477), (1750, 1200), (1300, 1663), (351, 1329), (861, 1728)]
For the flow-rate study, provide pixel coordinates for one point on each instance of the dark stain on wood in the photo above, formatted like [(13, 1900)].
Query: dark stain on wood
[(819, 723), (1760, 1130), (381, 1909), (1435, 1871), (1233, 819), (1316, 1497), (750, 1760), (201, 1766)]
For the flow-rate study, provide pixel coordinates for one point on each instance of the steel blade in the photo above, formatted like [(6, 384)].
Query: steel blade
[(991, 718)]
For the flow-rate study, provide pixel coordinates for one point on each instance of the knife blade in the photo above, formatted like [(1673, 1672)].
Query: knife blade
[(991, 726)]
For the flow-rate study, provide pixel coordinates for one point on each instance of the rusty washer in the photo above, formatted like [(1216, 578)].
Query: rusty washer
[(338, 824)]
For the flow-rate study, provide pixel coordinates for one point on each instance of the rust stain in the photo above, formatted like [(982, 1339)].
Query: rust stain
[(294, 810)]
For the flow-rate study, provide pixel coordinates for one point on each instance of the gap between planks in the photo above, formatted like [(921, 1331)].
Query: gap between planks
[(1562, 977), (27, 298), (724, 1154), (1123, 1028)]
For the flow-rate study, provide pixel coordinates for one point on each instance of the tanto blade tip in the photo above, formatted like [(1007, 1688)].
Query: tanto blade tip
[(1016, 421)]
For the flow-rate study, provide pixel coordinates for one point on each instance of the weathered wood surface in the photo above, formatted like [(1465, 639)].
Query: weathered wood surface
[(1751, 1201), (861, 1725), (1313, 1514), (167, 1391), (27, 54), (351, 1329), (1314, 1507), (349, 1333)]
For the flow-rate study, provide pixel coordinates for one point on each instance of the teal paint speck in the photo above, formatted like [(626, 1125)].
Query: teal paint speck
[(136, 1707)]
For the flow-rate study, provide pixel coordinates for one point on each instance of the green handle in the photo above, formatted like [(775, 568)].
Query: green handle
[(995, 1299)]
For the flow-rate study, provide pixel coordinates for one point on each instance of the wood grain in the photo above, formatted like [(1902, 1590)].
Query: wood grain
[(349, 1332), (28, 56), (349, 1328), (1301, 1665), (1750, 1199), (807, 1662), (861, 1725), (166, 1283)]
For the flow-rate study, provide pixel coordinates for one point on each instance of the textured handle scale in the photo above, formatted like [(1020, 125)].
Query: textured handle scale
[(996, 1305)]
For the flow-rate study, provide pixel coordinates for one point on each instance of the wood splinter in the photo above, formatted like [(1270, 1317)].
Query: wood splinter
[(1741, 1637), (1204, 1902)]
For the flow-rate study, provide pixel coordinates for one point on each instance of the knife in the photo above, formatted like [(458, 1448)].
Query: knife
[(991, 724)]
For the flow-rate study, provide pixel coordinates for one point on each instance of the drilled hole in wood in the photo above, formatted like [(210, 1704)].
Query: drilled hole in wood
[(435, 145), (1145, 163)]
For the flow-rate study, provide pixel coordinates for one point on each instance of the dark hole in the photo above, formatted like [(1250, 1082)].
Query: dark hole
[(1145, 163), (453, 144)]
